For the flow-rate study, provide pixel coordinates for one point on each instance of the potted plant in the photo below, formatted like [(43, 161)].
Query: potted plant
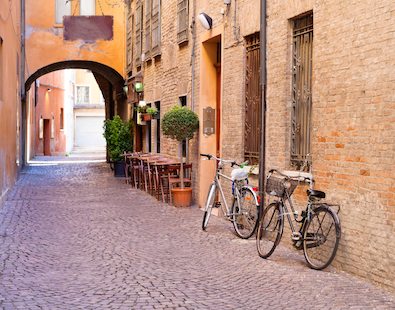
[(118, 135), (180, 123), (153, 112)]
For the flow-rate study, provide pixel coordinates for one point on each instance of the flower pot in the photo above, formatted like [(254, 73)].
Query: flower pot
[(146, 117), (182, 197), (119, 169)]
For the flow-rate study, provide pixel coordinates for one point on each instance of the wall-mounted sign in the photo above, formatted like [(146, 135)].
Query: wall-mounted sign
[(208, 121)]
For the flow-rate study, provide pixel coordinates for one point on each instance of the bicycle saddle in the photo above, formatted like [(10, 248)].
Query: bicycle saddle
[(314, 193)]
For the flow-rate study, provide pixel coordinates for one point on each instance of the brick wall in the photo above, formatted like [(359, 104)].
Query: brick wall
[(353, 108), (353, 121)]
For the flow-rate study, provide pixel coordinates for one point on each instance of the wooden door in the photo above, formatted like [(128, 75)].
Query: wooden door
[(47, 137)]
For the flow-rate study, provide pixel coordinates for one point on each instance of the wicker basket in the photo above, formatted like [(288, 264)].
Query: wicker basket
[(279, 186)]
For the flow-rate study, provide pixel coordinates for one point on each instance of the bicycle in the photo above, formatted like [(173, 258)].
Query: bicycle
[(319, 232), (244, 210)]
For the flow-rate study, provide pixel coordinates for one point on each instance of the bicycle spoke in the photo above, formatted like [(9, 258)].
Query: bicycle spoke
[(320, 240)]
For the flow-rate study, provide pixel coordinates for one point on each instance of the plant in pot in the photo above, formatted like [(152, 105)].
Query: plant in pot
[(180, 123), (153, 112), (118, 135)]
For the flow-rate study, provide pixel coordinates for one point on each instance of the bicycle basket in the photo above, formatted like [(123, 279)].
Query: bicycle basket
[(279, 186)]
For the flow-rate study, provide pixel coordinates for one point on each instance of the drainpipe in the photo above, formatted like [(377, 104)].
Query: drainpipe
[(193, 56), (263, 109)]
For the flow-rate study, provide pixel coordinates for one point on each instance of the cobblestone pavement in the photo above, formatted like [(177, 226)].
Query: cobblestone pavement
[(74, 237)]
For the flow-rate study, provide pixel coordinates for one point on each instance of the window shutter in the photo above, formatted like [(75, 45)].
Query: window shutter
[(183, 18), (156, 21), (139, 15), (147, 29), (129, 42)]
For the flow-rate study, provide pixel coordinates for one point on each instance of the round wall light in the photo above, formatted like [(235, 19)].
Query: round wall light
[(205, 20)]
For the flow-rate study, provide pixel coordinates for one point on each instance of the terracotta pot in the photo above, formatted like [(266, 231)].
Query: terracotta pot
[(182, 197), (146, 117)]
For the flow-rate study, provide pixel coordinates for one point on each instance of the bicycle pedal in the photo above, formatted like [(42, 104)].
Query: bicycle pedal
[(217, 205), (296, 236)]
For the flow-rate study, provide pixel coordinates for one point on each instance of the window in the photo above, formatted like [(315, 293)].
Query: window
[(182, 21), (82, 94), (129, 43), (301, 88), (62, 8), (183, 103), (88, 7), (139, 31), (147, 29), (61, 118), (252, 124), (155, 28)]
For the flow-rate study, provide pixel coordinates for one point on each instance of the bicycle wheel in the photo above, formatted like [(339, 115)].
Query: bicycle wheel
[(209, 205), (245, 218), (321, 238), (270, 230)]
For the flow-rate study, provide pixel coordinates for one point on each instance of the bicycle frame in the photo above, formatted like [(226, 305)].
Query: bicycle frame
[(236, 193)]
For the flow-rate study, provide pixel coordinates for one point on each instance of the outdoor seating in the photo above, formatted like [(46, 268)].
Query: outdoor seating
[(155, 174)]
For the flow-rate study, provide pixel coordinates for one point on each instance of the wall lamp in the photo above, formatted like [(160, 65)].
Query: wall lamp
[(49, 89), (205, 20)]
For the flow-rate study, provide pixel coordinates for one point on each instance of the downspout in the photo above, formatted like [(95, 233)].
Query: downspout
[(263, 78), (193, 56)]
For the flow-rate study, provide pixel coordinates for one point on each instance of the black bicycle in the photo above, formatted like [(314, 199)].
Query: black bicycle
[(319, 231)]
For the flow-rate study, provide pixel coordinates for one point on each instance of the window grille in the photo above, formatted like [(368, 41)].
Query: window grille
[(183, 19), (252, 100), (156, 31), (301, 89)]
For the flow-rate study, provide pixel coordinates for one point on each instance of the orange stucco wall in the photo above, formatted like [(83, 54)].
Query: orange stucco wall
[(43, 36), (9, 93)]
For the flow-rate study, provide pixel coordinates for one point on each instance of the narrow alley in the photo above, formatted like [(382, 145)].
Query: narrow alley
[(74, 237)]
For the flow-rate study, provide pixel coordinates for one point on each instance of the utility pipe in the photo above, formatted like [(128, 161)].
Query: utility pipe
[(263, 78)]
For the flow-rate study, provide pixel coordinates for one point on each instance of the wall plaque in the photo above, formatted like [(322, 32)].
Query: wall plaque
[(208, 121)]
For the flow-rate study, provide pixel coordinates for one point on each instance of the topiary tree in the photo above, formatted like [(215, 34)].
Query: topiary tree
[(118, 135), (180, 123)]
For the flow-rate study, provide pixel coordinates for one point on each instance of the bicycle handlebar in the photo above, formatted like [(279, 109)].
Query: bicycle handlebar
[(210, 156)]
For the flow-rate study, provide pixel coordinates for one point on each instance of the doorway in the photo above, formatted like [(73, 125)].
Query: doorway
[(211, 99), (47, 137)]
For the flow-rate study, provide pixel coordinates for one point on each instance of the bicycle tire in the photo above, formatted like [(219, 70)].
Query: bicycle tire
[(245, 220), (270, 230), (321, 237), (209, 205)]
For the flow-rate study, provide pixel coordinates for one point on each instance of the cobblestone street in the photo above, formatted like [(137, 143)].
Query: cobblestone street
[(74, 237)]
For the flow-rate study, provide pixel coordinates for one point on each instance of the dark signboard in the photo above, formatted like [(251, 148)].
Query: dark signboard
[(88, 28)]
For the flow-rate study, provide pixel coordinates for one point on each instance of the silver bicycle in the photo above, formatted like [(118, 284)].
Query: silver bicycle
[(243, 212)]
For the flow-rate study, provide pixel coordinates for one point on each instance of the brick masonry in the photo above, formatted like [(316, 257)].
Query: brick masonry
[(353, 131)]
